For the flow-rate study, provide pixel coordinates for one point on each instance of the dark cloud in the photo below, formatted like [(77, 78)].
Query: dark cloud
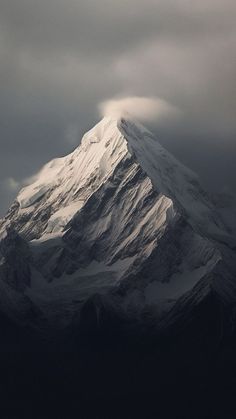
[(60, 58)]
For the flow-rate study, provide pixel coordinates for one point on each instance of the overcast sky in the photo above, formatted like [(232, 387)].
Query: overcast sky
[(61, 58)]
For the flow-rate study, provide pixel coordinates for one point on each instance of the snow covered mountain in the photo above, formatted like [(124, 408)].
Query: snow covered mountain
[(119, 213)]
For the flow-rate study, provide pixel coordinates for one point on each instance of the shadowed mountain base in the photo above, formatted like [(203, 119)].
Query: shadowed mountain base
[(105, 372)]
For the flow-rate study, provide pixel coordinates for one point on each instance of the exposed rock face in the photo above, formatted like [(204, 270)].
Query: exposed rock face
[(120, 215), (15, 261)]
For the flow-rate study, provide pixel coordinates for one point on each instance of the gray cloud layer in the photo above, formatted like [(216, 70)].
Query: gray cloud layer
[(60, 58)]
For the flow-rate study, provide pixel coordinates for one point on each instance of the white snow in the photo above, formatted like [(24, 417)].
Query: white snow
[(155, 219), (62, 217), (178, 284), (46, 241)]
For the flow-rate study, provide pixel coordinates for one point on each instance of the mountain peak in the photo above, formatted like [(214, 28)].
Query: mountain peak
[(65, 184), (109, 124), (118, 207)]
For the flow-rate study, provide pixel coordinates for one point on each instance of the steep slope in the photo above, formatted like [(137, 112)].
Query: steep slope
[(117, 213)]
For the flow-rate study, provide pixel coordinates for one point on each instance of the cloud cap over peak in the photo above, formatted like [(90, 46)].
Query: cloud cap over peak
[(140, 107)]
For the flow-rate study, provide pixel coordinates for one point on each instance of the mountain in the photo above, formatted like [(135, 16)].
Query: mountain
[(118, 223)]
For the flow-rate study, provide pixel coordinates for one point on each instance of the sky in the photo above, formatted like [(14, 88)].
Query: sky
[(61, 59)]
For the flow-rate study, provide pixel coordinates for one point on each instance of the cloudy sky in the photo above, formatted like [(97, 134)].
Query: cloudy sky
[(61, 58)]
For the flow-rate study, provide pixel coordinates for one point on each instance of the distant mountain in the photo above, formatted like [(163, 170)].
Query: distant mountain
[(118, 225)]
